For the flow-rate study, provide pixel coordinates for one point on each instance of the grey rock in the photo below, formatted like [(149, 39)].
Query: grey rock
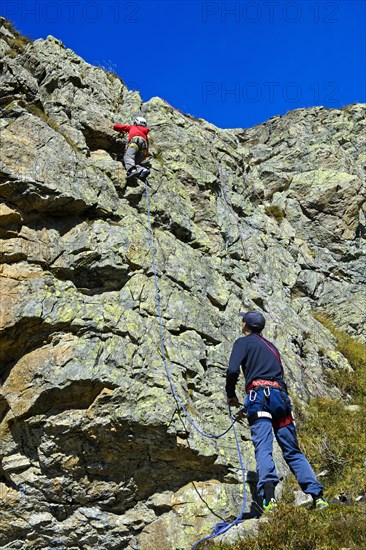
[(301, 499), (93, 449), (352, 408)]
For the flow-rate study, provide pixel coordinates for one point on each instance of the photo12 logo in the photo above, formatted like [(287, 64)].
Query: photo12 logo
[(70, 11), (270, 12), (269, 92)]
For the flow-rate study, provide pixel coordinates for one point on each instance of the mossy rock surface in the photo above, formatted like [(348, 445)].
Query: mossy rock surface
[(94, 451)]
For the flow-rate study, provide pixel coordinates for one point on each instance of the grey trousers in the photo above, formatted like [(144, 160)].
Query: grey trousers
[(135, 152)]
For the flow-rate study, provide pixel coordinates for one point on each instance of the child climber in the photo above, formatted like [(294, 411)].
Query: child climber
[(137, 148)]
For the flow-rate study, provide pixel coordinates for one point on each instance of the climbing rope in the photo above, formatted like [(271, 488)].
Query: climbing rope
[(221, 527), (246, 255), (161, 331), (235, 216)]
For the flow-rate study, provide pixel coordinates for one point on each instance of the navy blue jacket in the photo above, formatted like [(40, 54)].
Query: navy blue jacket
[(258, 362)]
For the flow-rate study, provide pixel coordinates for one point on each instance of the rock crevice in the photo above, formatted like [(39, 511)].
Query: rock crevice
[(94, 451)]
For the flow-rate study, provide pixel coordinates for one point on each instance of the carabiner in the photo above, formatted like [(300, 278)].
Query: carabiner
[(252, 396), (267, 392)]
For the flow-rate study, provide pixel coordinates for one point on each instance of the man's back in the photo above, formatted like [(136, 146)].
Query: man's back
[(259, 359)]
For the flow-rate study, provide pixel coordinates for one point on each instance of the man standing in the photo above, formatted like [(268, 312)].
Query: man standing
[(268, 407)]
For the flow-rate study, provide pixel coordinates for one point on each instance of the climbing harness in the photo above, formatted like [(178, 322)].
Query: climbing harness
[(222, 527), (260, 384), (259, 414)]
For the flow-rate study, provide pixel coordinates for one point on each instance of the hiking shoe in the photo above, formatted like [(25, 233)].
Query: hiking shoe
[(132, 173), (142, 175), (272, 504), (320, 503), (138, 172)]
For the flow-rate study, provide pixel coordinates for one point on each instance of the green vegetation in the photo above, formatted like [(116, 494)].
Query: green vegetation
[(295, 528), (275, 212), (158, 156), (109, 70), (334, 440), (353, 383), (333, 437), (334, 434), (112, 76), (192, 117), (17, 42)]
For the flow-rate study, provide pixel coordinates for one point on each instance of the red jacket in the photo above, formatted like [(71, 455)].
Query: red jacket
[(133, 131)]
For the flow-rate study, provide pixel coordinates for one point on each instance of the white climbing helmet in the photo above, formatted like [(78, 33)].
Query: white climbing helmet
[(140, 121)]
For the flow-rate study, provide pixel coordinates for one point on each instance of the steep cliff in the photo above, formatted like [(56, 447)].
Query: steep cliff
[(94, 450)]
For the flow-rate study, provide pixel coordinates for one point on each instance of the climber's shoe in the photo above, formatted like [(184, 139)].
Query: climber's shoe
[(320, 503), (271, 505), (143, 173), (138, 172), (133, 172)]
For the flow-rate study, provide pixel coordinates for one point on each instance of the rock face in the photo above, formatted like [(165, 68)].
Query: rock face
[(94, 451)]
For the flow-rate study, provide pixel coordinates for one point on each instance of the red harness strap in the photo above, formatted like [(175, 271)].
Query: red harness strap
[(282, 422), (269, 347), (269, 383)]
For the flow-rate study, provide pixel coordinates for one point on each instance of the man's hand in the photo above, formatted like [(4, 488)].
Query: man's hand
[(240, 415), (233, 401)]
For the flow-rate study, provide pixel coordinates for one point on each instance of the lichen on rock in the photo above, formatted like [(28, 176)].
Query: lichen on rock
[(94, 449)]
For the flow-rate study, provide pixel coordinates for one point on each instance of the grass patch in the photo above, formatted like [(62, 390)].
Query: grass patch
[(333, 439), (112, 76), (17, 42), (332, 436), (158, 156), (292, 528), (354, 383), (275, 212), (110, 70)]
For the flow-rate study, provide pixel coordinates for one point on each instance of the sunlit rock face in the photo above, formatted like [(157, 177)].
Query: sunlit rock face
[(94, 450)]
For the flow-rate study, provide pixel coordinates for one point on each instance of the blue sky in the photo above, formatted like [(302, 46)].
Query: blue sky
[(233, 63)]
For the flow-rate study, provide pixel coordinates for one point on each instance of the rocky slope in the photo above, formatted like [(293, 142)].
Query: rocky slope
[(94, 452)]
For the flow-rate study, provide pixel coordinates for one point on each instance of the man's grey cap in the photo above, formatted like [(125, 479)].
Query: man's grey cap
[(254, 320)]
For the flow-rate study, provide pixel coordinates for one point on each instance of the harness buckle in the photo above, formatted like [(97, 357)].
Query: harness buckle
[(259, 415)]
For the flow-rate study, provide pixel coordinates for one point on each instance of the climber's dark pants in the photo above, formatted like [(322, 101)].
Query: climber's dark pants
[(278, 404), (135, 153)]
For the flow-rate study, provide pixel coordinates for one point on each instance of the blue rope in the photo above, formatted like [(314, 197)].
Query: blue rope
[(162, 341), (221, 527)]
